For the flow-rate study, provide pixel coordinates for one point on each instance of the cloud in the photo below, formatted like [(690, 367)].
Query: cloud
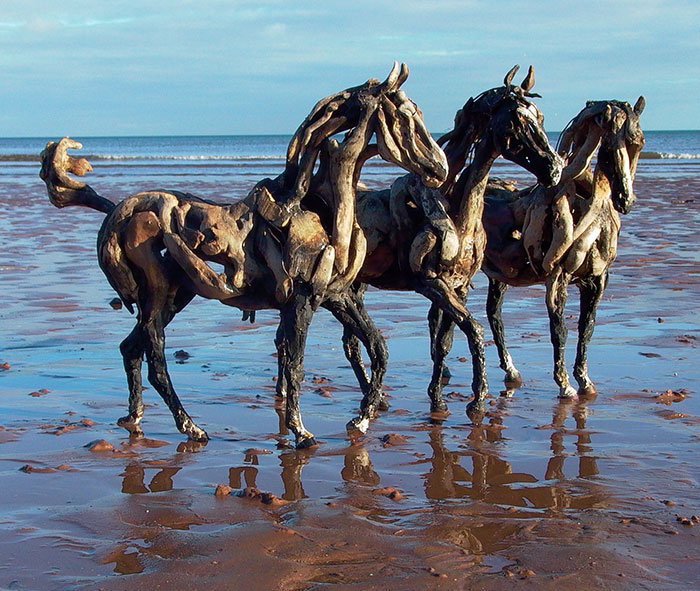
[(77, 24)]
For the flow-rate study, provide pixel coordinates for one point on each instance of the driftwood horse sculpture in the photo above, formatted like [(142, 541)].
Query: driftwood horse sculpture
[(567, 233), (431, 240), (276, 252)]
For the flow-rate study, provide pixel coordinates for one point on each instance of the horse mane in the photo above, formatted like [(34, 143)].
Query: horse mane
[(574, 134), (469, 125)]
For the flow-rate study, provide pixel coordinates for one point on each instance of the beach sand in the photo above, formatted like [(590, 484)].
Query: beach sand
[(582, 494)]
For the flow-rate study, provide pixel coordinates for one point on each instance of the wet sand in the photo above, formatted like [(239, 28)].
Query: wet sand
[(544, 494)]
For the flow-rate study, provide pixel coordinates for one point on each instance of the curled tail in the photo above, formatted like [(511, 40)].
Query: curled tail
[(64, 190)]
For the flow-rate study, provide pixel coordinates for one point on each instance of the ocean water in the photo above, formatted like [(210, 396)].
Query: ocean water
[(189, 161)]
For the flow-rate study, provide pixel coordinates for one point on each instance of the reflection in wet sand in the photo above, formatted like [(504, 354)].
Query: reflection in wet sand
[(493, 479), (587, 463), (134, 475), (357, 466), (293, 463)]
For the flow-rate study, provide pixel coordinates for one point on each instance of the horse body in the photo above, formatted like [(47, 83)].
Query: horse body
[(566, 234), (431, 240), (276, 253)]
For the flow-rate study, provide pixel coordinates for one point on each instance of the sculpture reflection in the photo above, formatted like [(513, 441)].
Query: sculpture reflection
[(495, 481), (134, 475)]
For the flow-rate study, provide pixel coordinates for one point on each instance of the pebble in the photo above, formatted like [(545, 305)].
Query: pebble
[(28, 469), (392, 439), (99, 445), (223, 490), (39, 393), (389, 492), (325, 392), (116, 304)]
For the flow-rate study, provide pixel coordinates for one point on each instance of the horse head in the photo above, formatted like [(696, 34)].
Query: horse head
[(375, 108), (621, 139), (505, 121), (401, 134)]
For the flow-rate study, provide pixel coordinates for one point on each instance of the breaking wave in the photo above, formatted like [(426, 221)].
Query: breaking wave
[(147, 158), (668, 156)]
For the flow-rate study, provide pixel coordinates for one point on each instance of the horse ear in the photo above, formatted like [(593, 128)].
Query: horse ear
[(403, 75), (639, 105), (529, 80), (508, 80), (389, 84), (605, 116)]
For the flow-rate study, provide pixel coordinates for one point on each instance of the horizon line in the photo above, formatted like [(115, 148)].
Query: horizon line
[(161, 135)]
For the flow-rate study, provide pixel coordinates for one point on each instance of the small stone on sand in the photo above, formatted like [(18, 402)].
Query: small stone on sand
[(392, 439), (99, 445), (223, 490), (389, 492)]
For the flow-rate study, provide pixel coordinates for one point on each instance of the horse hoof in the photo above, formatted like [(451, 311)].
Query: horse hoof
[(587, 391), (132, 425), (567, 392), (513, 380), (476, 410), (307, 443), (198, 435), (439, 407), (357, 427)]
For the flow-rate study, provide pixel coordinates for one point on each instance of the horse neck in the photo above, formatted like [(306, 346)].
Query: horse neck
[(467, 195)]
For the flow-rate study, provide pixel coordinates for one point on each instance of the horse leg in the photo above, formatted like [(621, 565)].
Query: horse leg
[(281, 384), (377, 351), (441, 329), (159, 299), (350, 311), (592, 289), (434, 320), (351, 348), (438, 292), (132, 348), (295, 318), (158, 376), (557, 284), (494, 309)]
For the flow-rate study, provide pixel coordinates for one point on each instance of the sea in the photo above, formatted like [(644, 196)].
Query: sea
[(235, 162)]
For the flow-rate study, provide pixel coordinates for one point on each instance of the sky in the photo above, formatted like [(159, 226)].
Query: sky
[(180, 67)]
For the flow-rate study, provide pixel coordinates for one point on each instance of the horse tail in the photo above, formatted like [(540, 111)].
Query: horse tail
[(63, 189)]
